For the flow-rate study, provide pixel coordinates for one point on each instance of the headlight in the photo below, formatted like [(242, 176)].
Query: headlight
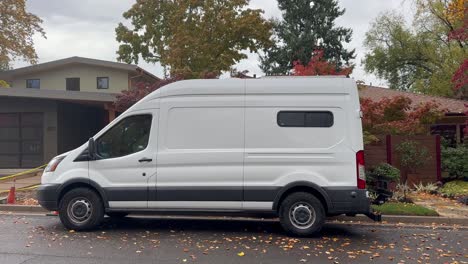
[(53, 164)]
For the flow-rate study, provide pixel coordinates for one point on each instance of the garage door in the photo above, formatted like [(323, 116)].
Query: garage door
[(21, 144)]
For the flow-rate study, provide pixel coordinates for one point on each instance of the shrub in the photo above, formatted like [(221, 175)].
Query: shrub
[(383, 171), (387, 172), (455, 162), (455, 188), (399, 195), (412, 156), (428, 188), (463, 200)]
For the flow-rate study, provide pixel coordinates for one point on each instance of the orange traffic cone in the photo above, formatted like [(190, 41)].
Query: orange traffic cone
[(11, 196)]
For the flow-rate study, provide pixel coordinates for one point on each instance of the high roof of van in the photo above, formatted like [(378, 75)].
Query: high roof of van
[(269, 85)]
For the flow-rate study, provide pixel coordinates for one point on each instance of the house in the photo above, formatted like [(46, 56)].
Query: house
[(451, 126), (56, 106)]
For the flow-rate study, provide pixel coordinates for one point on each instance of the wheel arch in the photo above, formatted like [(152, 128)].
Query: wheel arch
[(82, 182), (303, 186)]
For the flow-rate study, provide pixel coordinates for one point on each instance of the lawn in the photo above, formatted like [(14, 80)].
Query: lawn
[(455, 188), (404, 209)]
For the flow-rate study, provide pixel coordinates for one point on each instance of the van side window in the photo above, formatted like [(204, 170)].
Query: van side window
[(128, 136), (305, 119)]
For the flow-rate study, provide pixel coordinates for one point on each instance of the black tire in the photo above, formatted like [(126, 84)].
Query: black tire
[(117, 214), (302, 214), (81, 209)]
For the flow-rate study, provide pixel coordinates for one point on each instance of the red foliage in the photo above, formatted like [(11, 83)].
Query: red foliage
[(129, 97), (318, 66), (397, 116), (460, 78)]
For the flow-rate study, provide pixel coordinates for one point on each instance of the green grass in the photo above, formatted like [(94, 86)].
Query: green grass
[(455, 188), (404, 209)]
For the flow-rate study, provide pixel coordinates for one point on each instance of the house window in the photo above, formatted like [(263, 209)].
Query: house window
[(33, 83), (73, 84), (103, 82), (305, 119)]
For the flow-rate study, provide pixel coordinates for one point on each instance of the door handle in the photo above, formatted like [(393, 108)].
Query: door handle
[(145, 160)]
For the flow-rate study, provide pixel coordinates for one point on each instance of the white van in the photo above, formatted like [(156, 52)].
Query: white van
[(290, 146)]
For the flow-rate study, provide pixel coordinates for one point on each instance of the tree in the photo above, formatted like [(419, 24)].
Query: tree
[(307, 25), (17, 28), (397, 116), (460, 79), (412, 155), (421, 57), (192, 36), (127, 98), (456, 12), (3, 67), (318, 66)]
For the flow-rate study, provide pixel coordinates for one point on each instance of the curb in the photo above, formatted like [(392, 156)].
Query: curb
[(386, 219), (22, 208), (405, 219)]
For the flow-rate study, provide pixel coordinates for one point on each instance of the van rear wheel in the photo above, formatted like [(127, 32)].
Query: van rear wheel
[(81, 209), (302, 214)]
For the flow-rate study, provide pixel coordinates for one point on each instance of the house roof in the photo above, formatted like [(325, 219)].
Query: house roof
[(79, 96), (73, 60), (378, 93)]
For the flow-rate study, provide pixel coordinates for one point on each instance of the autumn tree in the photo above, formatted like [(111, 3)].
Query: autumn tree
[(456, 14), (17, 28), (307, 25), (318, 66), (397, 116), (192, 36), (420, 57), (129, 97)]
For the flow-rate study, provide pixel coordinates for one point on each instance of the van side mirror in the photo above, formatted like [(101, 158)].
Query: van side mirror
[(91, 149)]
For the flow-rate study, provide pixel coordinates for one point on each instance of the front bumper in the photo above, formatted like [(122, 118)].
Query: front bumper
[(47, 196)]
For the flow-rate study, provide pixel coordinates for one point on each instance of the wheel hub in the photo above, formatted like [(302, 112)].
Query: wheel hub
[(79, 210), (302, 215)]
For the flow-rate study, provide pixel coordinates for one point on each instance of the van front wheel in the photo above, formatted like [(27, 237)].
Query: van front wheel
[(81, 209), (302, 214)]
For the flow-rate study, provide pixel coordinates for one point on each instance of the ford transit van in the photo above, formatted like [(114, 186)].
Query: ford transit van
[(287, 146)]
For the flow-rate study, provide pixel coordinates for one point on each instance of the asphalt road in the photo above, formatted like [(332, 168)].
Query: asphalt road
[(42, 239)]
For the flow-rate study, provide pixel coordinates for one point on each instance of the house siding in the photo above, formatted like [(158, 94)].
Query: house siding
[(56, 79)]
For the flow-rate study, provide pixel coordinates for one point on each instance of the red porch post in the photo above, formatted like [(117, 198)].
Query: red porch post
[(438, 158)]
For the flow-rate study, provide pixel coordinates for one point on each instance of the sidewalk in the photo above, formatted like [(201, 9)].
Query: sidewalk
[(444, 206), (20, 183)]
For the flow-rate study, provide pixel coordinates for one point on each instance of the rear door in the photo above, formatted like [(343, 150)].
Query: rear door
[(126, 164)]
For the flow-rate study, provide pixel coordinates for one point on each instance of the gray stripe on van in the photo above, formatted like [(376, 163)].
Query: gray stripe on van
[(193, 193)]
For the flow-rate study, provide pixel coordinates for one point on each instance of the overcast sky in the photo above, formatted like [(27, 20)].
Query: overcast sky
[(86, 28)]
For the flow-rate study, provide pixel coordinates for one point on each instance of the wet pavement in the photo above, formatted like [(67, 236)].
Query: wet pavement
[(42, 239)]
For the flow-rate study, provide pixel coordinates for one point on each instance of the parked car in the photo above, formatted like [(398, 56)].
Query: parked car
[(287, 146)]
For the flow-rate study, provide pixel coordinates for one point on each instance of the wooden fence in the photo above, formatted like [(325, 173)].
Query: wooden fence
[(384, 151)]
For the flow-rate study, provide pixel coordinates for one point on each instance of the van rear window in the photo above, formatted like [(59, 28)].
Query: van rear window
[(305, 119)]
